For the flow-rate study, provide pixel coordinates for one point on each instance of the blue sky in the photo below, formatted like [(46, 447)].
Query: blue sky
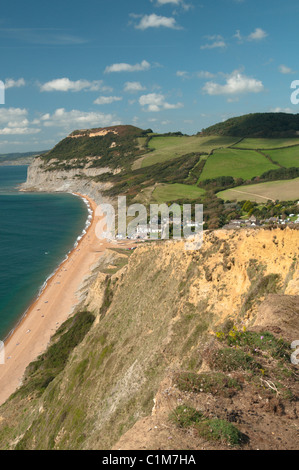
[(163, 64)]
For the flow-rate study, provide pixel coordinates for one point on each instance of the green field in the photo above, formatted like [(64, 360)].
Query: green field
[(266, 143), (288, 157), (169, 147), (237, 163), (173, 192), (287, 190)]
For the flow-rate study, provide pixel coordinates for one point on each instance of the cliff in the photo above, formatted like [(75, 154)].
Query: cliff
[(175, 336), (76, 162), (76, 179)]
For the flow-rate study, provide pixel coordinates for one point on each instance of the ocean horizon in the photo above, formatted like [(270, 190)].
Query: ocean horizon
[(37, 231)]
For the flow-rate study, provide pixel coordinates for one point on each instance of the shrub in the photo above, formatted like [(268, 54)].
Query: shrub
[(254, 341), (218, 429), (229, 359), (215, 383), (185, 416)]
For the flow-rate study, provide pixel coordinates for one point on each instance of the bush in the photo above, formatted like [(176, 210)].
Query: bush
[(215, 383), (254, 341), (218, 429), (211, 429), (228, 360), (185, 416)]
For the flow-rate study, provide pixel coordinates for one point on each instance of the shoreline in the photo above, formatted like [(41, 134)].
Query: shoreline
[(46, 283), (55, 301)]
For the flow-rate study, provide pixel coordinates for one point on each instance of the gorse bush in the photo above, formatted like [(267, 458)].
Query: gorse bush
[(185, 416), (229, 359), (215, 383), (254, 341), (211, 429), (220, 430)]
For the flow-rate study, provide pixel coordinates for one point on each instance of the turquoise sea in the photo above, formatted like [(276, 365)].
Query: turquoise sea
[(37, 230)]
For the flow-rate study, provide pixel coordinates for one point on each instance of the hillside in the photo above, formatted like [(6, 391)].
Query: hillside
[(172, 349), (257, 125), (114, 146), (151, 168), (18, 158)]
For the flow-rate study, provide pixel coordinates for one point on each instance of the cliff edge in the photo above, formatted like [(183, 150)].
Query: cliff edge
[(172, 349)]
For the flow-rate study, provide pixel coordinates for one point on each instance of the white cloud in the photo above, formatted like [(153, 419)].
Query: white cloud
[(285, 70), (155, 102), (65, 84), (16, 122), (133, 87), (219, 43), (214, 37), (12, 114), (282, 110), (236, 83), (10, 83), (182, 74), (201, 74), (238, 35), (107, 99), (205, 74), (181, 3), (123, 67), (78, 119), (157, 21), (257, 35), (18, 131), (164, 2)]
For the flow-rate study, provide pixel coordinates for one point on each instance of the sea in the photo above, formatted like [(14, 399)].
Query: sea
[(37, 231)]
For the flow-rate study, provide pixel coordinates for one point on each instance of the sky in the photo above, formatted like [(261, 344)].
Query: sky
[(168, 65)]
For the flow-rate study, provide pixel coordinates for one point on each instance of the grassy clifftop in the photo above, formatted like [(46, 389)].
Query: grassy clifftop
[(162, 351), (151, 168), (257, 125), (111, 146)]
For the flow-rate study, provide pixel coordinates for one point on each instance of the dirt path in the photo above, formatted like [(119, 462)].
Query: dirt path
[(253, 194)]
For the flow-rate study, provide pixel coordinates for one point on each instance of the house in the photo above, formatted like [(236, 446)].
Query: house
[(273, 220), (236, 222), (231, 226)]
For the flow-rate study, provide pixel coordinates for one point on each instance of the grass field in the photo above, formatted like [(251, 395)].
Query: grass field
[(141, 142), (167, 148), (237, 163), (173, 192), (287, 190), (266, 143), (288, 157)]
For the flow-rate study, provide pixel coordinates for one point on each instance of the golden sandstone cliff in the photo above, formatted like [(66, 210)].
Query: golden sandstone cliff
[(166, 320)]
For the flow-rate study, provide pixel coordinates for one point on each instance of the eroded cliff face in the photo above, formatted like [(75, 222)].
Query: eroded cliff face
[(156, 316), (41, 178)]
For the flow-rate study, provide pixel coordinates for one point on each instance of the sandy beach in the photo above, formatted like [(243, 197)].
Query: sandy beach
[(50, 309)]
